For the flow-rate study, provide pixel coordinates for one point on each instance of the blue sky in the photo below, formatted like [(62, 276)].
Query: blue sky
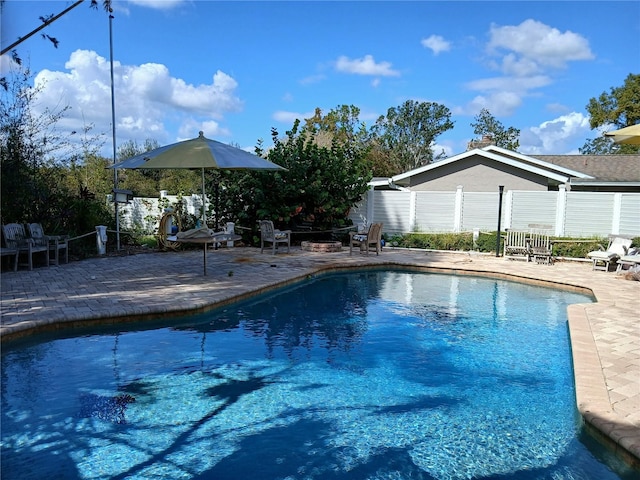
[(237, 69)]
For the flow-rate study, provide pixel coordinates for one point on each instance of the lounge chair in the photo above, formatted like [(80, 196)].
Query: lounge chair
[(604, 259), (372, 237), (629, 261), (55, 243), (15, 238), (269, 234), (515, 244)]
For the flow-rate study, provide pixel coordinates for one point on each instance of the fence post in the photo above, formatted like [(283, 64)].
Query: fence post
[(370, 210), (457, 210), (617, 212), (500, 191), (561, 208), (101, 239), (412, 210)]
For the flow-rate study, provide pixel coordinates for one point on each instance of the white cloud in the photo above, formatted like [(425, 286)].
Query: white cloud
[(436, 44), (526, 55), (311, 79), (157, 4), (147, 98), (535, 46), (365, 66), (290, 117), (502, 95), (554, 136), (498, 103), (513, 84)]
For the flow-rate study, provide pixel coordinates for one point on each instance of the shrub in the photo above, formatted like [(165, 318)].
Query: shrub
[(486, 242)]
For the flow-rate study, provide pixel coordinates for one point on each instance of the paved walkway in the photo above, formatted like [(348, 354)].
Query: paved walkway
[(605, 335)]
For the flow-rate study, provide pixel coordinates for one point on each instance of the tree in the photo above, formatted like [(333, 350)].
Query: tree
[(48, 20), (319, 187), (341, 123), (486, 125), (149, 182), (619, 108), (407, 133), (33, 186), (27, 145)]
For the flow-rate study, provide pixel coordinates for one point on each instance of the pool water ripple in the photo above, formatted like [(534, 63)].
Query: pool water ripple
[(362, 375)]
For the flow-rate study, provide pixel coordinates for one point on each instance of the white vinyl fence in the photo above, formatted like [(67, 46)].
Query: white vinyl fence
[(143, 214), (568, 214)]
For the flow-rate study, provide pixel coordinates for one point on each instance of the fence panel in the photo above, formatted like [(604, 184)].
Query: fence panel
[(533, 208), (434, 211), (480, 210), (393, 209), (630, 214), (588, 214)]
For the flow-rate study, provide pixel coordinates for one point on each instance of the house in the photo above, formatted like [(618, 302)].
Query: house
[(484, 169)]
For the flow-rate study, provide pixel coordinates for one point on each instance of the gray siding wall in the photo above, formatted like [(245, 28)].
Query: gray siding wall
[(475, 176)]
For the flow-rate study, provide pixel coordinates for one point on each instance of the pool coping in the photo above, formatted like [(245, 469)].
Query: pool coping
[(592, 392)]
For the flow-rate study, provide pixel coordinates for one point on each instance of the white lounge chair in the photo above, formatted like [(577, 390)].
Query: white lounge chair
[(629, 261), (604, 259)]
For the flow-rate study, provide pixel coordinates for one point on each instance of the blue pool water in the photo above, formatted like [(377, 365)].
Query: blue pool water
[(368, 375)]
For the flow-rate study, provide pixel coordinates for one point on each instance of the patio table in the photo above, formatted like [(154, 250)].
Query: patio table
[(215, 238)]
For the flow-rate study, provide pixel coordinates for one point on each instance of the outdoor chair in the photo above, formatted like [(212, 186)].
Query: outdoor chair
[(15, 238), (55, 243), (629, 262), (604, 259), (539, 247), (269, 234), (373, 237), (10, 252), (515, 244)]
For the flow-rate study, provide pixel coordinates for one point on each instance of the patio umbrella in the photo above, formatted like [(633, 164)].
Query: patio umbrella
[(201, 153), (627, 135)]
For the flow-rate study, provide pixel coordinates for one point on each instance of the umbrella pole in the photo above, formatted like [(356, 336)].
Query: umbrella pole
[(205, 258), (204, 206)]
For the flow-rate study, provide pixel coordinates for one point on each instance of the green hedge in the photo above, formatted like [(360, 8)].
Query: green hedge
[(568, 247)]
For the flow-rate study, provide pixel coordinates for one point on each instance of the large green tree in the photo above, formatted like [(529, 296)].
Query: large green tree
[(407, 133), (618, 108), (318, 188), (486, 125)]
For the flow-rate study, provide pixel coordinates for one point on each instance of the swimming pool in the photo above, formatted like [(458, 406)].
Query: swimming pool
[(372, 374)]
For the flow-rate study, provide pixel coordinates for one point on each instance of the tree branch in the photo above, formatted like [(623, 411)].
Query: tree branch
[(48, 22)]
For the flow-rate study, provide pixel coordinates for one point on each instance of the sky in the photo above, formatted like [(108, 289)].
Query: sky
[(236, 70)]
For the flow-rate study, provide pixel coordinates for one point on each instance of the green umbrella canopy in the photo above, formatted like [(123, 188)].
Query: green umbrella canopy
[(199, 152), (202, 153)]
